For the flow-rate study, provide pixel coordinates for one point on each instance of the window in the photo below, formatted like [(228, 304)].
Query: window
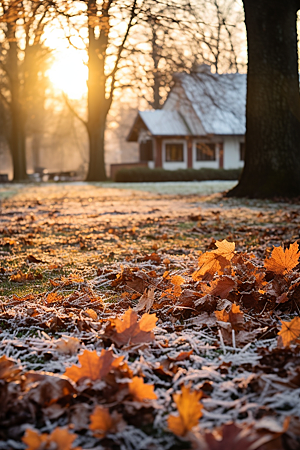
[(146, 151), (174, 152), (242, 151), (205, 152)]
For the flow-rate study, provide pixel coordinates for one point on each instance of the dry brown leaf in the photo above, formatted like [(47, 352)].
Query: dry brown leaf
[(283, 261), (146, 301), (235, 317), (128, 330), (59, 439), (91, 313), (190, 411), (216, 260), (93, 367), (290, 331), (220, 287), (141, 391), (177, 280)]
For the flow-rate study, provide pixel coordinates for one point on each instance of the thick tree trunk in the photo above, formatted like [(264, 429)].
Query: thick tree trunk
[(272, 162), (17, 135)]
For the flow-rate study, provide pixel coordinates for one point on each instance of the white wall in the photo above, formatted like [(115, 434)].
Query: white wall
[(175, 164), (205, 164), (232, 152)]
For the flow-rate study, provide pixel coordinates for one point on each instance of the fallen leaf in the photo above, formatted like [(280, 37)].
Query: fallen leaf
[(60, 437), (67, 346), (93, 367), (102, 422), (220, 287), (177, 280), (235, 316), (146, 300), (290, 330), (283, 261), (53, 297), (190, 411), (33, 259), (9, 371), (216, 260), (128, 330), (141, 391)]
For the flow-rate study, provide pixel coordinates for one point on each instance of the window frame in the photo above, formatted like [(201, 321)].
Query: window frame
[(206, 160), (164, 151)]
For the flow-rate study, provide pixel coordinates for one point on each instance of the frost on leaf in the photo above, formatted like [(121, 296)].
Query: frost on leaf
[(190, 411), (59, 439), (235, 317), (283, 261), (141, 391), (290, 331), (128, 330), (216, 260), (93, 367), (102, 422), (146, 301)]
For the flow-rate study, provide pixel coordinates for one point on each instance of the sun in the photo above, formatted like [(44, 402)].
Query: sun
[(69, 74)]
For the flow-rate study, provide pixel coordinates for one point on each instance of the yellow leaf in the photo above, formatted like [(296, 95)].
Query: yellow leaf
[(282, 261), (93, 366), (290, 331), (141, 391), (59, 439), (190, 411), (216, 260)]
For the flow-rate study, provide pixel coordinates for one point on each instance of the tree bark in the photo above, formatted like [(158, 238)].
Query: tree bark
[(272, 161), (17, 134)]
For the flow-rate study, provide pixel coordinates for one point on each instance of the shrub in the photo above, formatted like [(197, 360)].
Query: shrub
[(143, 174)]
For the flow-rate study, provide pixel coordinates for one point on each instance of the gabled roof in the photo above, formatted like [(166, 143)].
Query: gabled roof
[(205, 104), (219, 100), (159, 123)]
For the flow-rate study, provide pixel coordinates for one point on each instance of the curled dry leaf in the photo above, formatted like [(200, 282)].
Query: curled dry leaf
[(290, 331), (59, 439), (235, 317), (216, 260), (146, 301), (102, 422), (141, 391), (53, 297), (93, 367), (283, 261), (128, 330), (190, 411)]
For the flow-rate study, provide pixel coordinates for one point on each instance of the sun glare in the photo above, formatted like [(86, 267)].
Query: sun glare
[(69, 74)]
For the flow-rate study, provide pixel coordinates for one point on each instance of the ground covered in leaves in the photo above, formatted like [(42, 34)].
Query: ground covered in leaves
[(134, 320)]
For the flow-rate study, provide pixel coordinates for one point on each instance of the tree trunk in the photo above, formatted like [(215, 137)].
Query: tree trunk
[(98, 105), (17, 135), (272, 161)]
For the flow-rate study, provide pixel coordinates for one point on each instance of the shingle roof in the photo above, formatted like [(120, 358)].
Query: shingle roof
[(219, 100), (164, 123)]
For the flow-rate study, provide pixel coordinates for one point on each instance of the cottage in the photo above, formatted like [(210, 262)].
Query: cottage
[(201, 124)]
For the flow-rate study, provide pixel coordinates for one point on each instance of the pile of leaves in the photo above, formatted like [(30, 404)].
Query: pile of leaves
[(151, 350)]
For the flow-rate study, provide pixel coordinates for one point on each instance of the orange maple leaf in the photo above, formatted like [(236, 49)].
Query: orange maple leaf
[(141, 391), (235, 316), (53, 297), (59, 436), (190, 411), (102, 422), (216, 260), (282, 261), (128, 329), (290, 331), (93, 366), (177, 280)]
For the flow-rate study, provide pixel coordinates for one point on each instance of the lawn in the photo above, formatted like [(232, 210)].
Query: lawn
[(148, 317)]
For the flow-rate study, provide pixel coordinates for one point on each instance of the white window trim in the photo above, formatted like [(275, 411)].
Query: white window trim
[(174, 141)]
